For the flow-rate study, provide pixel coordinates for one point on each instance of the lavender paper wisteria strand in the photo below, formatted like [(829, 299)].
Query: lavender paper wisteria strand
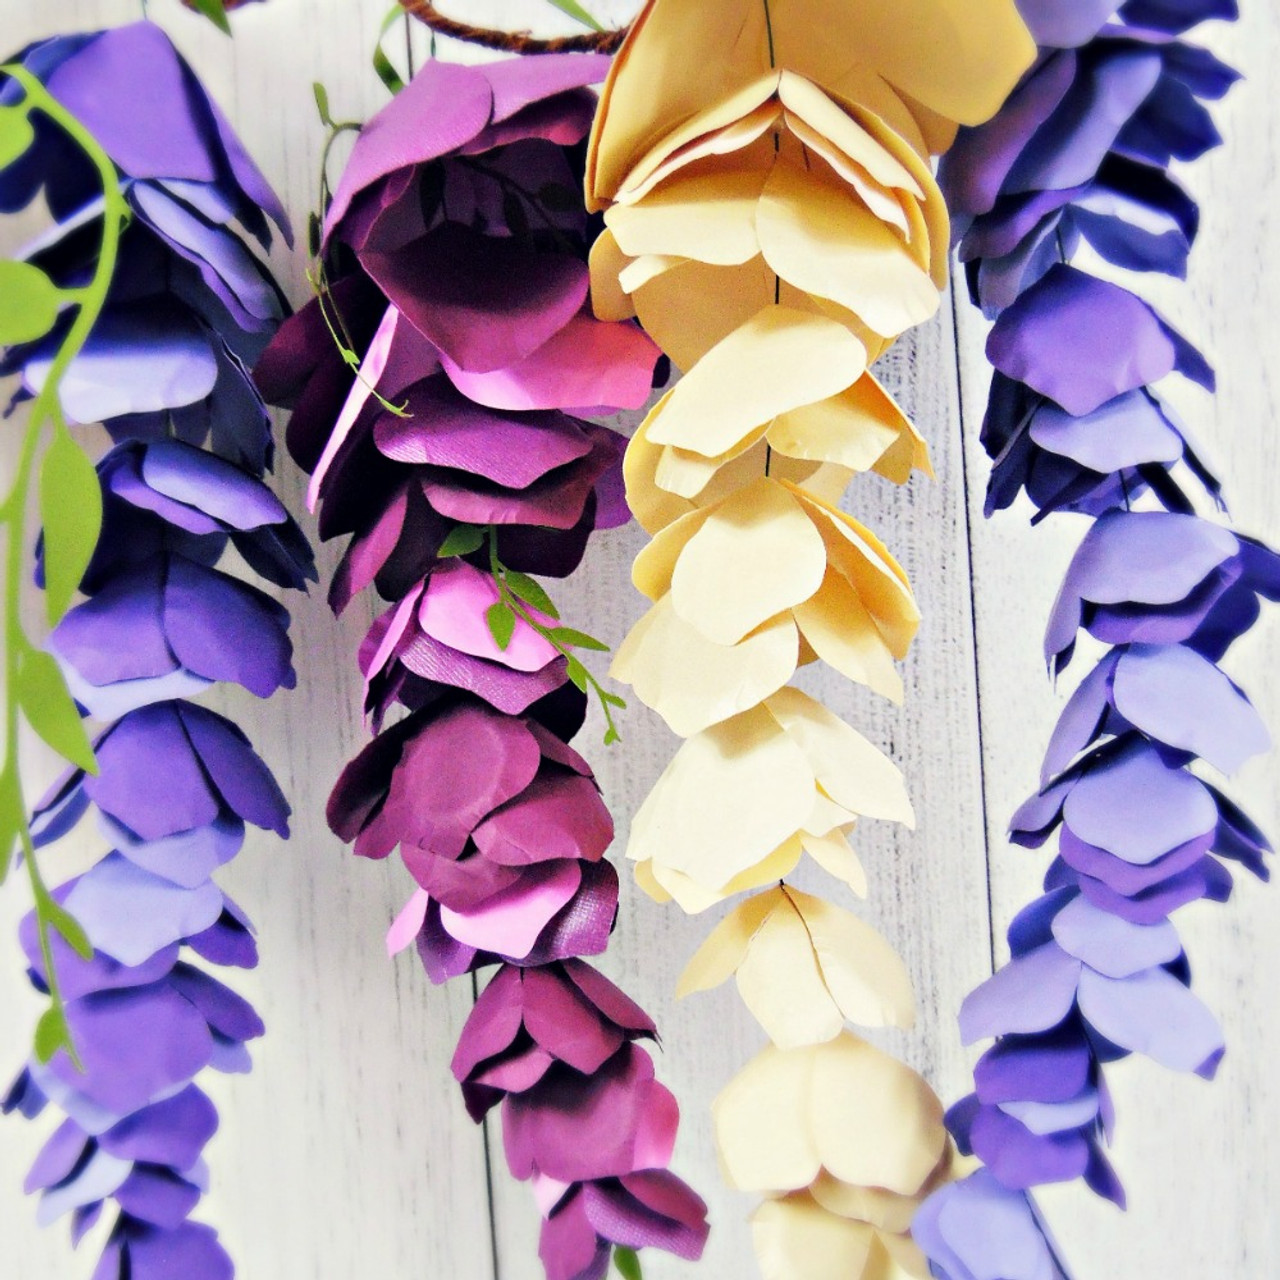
[(1081, 155), (165, 371), (462, 460)]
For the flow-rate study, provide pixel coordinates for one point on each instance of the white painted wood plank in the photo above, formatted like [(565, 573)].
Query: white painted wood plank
[(1202, 1173)]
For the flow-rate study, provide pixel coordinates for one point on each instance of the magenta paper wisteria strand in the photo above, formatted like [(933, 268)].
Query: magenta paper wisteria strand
[(1080, 156), (165, 369), (459, 459)]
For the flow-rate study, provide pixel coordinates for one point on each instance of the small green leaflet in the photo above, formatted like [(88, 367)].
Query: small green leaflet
[(571, 639), (322, 103), (12, 814), (627, 1262), (463, 539), (215, 11), (531, 592), (52, 1034), (502, 623), (578, 674), (71, 511), (70, 928), (16, 134), (577, 13), (381, 63), (29, 303), (45, 702)]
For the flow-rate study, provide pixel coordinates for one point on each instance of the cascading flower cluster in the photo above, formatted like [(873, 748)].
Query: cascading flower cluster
[(164, 369), (773, 221), (1081, 154), (446, 431)]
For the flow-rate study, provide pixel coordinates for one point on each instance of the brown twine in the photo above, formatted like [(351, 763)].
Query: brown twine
[(520, 42)]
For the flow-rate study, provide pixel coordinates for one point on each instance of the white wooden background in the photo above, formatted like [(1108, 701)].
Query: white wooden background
[(346, 1154)]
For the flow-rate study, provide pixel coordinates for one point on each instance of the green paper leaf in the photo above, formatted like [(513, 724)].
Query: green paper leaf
[(613, 700), (322, 103), (52, 1034), (71, 510), (70, 929), (572, 639), (531, 592), (381, 63), (626, 1260), (12, 815), (29, 303), (577, 13), (215, 11), (16, 134), (502, 623), (463, 539), (611, 736), (578, 674), (45, 702)]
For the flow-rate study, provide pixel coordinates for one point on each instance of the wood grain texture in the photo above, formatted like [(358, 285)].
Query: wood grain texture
[(346, 1153)]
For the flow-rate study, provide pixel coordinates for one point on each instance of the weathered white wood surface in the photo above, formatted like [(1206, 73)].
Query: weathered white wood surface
[(347, 1153)]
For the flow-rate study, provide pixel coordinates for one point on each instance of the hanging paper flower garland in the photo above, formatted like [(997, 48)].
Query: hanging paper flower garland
[(164, 368), (773, 221), (1080, 154), (459, 459)]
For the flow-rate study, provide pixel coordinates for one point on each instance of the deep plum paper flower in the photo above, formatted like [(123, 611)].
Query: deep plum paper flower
[(442, 385)]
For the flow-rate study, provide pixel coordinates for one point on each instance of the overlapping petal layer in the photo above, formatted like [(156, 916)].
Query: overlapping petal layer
[(772, 220), (164, 370), (1080, 156), (462, 460)]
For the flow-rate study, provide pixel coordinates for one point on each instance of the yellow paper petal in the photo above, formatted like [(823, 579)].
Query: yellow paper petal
[(608, 299), (886, 1210), (718, 958), (731, 795), (845, 636), (780, 359), (647, 881), (876, 576), (818, 236), (756, 554), (866, 977), (700, 215), (688, 474), (834, 855), (795, 1238), (655, 566), (763, 1123), (853, 773), (904, 1258), (876, 1122), (781, 982), (673, 154), (691, 681)]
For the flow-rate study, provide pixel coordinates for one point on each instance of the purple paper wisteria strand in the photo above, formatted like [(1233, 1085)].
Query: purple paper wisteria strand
[(165, 370), (441, 383), (1080, 156)]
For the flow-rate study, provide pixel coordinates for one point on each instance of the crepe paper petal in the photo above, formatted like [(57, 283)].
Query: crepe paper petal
[(797, 1237), (880, 1126), (1033, 993), (1111, 946)]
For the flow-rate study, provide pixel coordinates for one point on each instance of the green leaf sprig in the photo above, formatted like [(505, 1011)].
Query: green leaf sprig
[(70, 505), (577, 13), (519, 596), (317, 271), (627, 1263)]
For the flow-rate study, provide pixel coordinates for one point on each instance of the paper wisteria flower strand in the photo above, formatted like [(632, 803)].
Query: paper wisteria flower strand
[(164, 367), (773, 221), (445, 431), (1080, 155)]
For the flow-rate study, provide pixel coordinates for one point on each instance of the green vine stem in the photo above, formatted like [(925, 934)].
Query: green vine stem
[(71, 507), (518, 596)]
